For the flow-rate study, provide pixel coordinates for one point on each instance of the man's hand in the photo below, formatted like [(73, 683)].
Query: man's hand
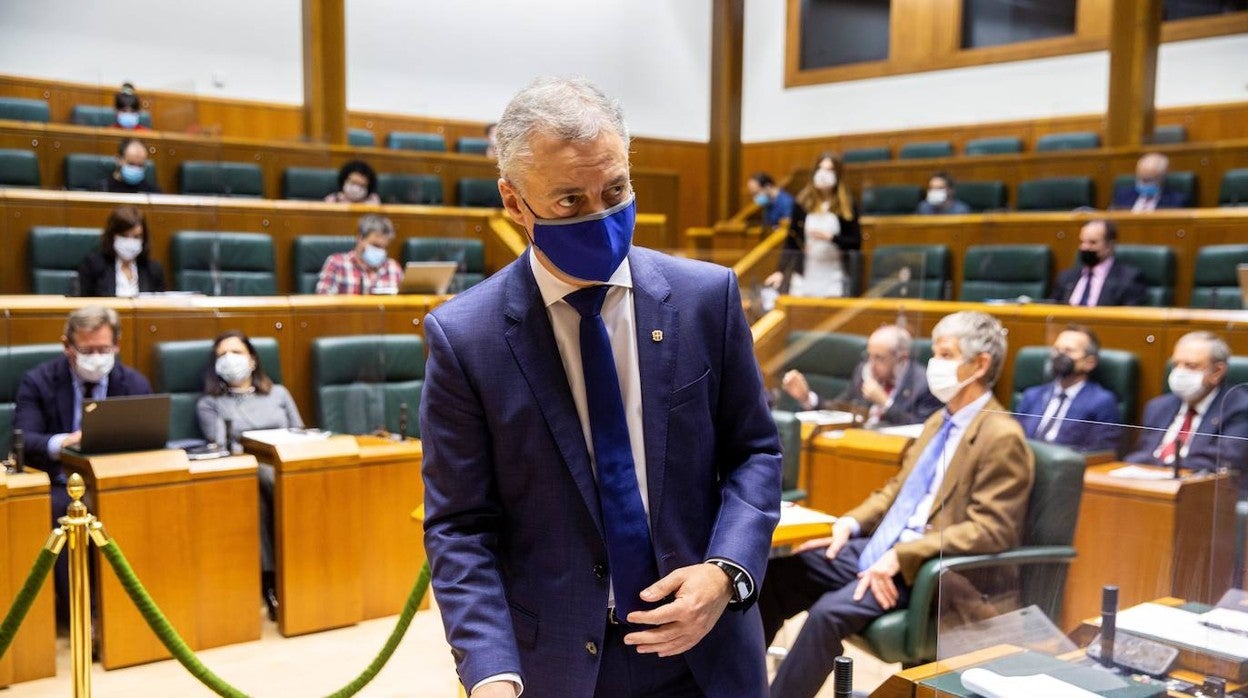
[(496, 689), (702, 593), (72, 440), (774, 279), (794, 383), (872, 390), (819, 235), (840, 536), (879, 579)]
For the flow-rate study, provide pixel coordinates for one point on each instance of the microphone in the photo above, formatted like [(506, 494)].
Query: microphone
[(229, 435), (1109, 624), (19, 451), (402, 421), (842, 677), (214, 266)]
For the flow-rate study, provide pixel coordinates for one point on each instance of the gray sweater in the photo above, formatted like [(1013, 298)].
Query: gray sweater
[(276, 410)]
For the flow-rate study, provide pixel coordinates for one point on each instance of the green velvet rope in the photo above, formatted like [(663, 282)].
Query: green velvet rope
[(180, 651), (25, 597)]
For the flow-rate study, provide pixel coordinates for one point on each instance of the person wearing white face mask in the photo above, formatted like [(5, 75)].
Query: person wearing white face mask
[(1190, 422), (941, 197), (357, 184), (121, 266), (831, 229), (50, 399), (366, 268), (962, 490)]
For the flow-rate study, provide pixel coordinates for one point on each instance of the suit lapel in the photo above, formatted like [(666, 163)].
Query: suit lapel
[(960, 456), (656, 362), (64, 391)]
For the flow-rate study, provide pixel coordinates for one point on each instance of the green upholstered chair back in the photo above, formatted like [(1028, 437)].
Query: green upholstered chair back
[(871, 154), (1176, 181), (309, 183), (472, 146), (409, 140), (1173, 133), (997, 145), (410, 189), (15, 361), (1056, 194), (911, 271), (790, 431), (361, 382), (982, 196), (310, 252), (1006, 271), (1157, 262), (1117, 370), (19, 168), (891, 199), (1074, 140), (95, 115), (1052, 512), (921, 351), (1234, 188), (468, 253), (181, 368), (827, 359), (55, 254), (361, 138), (478, 192), (223, 263), (925, 149), (242, 179), (19, 109), (1216, 283), (84, 172)]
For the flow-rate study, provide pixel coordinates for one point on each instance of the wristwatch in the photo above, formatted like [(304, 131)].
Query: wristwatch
[(736, 575)]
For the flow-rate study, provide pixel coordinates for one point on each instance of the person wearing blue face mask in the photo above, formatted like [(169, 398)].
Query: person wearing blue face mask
[(602, 476), (130, 177), (128, 107), (366, 268), (780, 212), (1149, 192)]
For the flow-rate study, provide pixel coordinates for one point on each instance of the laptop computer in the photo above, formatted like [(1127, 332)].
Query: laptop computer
[(129, 423), (427, 277), (1242, 270)]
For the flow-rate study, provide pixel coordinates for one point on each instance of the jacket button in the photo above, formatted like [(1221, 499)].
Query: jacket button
[(591, 648), (600, 571)]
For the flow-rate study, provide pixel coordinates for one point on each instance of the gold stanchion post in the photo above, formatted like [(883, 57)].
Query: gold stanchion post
[(77, 524)]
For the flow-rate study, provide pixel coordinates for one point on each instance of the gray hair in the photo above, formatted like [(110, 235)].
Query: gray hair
[(977, 333), (897, 336), (374, 223), (1162, 162), (1219, 350), (568, 109), (91, 318)]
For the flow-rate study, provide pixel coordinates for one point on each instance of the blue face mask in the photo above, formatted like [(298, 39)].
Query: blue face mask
[(1148, 190), (761, 198), (373, 256), (589, 248), (127, 119), (132, 174)]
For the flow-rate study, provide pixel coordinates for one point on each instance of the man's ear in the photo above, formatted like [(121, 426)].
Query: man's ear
[(511, 202)]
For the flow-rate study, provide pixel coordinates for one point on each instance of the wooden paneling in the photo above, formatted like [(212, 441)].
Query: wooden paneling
[(225, 529), (325, 71), (33, 652), (727, 50), (1132, 71), (394, 549)]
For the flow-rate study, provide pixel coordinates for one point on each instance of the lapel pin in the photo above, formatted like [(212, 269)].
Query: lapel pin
[(656, 336)]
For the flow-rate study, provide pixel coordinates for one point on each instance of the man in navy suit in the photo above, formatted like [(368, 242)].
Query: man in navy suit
[(1149, 193), (602, 475), (1100, 279), (1073, 410), (1188, 421)]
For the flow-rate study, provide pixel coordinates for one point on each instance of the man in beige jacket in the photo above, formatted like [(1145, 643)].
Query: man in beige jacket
[(962, 489)]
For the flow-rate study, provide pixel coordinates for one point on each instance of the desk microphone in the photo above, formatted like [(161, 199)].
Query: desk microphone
[(842, 677), (229, 435), (19, 450), (402, 421), (1109, 624)]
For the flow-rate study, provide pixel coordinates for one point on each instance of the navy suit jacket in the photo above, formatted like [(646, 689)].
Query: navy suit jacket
[(513, 526), (1227, 416), (1125, 196), (44, 406), (913, 403), (1124, 285), (1092, 419)]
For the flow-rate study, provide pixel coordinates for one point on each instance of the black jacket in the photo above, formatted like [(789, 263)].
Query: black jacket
[(1124, 285), (97, 275), (112, 185)]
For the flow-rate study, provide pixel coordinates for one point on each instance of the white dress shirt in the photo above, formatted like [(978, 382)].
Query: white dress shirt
[(1061, 410), (125, 287), (1202, 408)]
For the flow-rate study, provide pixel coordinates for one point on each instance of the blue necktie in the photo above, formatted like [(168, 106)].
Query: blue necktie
[(912, 492), (629, 552)]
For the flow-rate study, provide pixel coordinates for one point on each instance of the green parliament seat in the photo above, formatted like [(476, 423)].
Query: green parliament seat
[(1176, 181), (478, 192), (790, 431), (91, 115), (84, 172), (827, 359), (1116, 369), (15, 361), (468, 253), (1174, 133), (309, 183), (19, 109), (409, 140), (1157, 262), (1234, 189), (310, 252), (471, 145), (55, 254), (873, 154), (911, 271), (982, 196), (1217, 283), (1056, 194), (925, 149), (410, 189), (360, 138), (361, 382), (1005, 271), (891, 199), (1074, 140), (909, 635), (997, 145), (221, 178), (18, 168), (223, 263), (921, 351), (180, 371)]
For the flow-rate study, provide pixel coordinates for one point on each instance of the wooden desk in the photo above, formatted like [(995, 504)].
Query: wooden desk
[(29, 521), (1152, 538), (392, 554), (844, 469)]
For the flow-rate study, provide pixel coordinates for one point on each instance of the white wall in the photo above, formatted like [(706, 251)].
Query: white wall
[(1192, 72)]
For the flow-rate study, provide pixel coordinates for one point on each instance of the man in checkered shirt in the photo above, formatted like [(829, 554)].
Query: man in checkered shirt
[(367, 268)]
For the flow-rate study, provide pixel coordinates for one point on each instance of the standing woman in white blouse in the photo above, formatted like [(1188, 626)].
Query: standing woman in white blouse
[(122, 266), (831, 229)]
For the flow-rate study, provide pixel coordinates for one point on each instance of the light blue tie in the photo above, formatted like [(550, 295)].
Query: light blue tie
[(912, 492)]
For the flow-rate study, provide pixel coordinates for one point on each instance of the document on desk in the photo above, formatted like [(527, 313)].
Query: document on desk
[(912, 431), (796, 515), (825, 417), (278, 437), (990, 684), (1184, 629), (1135, 472), (1226, 619)]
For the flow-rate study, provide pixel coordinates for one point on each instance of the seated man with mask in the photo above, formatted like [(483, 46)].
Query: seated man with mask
[(1100, 279), (365, 269), (962, 489), (130, 177), (1187, 422), (1072, 410), (1149, 191), (893, 387)]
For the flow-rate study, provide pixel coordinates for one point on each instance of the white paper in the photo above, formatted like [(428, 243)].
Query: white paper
[(1174, 626), (795, 515), (1226, 619), (908, 430), (989, 684), (277, 437), (1135, 472), (821, 417)]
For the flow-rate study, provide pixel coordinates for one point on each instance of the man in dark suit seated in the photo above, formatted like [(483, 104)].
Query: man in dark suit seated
[(1188, 422), (1149, 193), (1100, 279), (893, 388), (962, 489), (1073, 410), (130, 177)]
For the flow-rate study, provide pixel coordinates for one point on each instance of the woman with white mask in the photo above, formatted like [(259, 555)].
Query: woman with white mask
[(122, 266), (357, 184), (831, 230)]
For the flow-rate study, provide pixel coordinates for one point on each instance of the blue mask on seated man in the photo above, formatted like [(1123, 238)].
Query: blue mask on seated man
[(132, 174), (589, 248), (1148, 190)]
